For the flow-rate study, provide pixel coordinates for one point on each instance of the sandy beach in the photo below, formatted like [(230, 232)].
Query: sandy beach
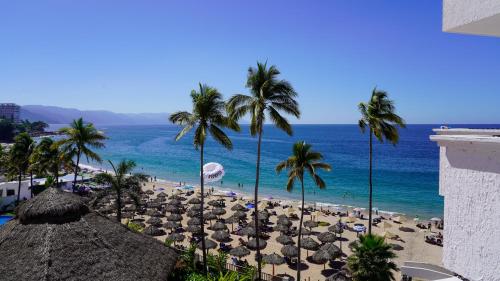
[(411, 242)]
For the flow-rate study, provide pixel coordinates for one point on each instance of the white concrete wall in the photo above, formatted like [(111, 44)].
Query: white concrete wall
[(470, 183), (472, 16), (25, 191)]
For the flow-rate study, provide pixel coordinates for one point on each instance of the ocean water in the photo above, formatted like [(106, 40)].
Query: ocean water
[(405, 176)]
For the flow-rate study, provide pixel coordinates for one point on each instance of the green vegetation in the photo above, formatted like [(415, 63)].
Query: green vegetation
[(79, 140), (269, 96), (48, 160), (135, 227), (19, 158), (187, 268), (208, 116), (121, 182), (378, 114), (323, 223), (303, 160), (8, 129), (371, 259)]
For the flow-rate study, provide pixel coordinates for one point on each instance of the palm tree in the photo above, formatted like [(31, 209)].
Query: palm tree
[(48, 159), (208, 116), (303, 160), (269, 96), (378, 114), (371, 259), (121, 182), (80, 139), (19, 156)]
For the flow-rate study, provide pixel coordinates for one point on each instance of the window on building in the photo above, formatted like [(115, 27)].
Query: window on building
[(11, 192)]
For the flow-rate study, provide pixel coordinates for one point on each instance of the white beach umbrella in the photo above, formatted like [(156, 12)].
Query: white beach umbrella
[(213, 172)]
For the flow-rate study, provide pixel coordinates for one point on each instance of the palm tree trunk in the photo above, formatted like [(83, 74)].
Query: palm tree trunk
[(256, 200), (19, 187), (371, 186), (203, 247), (76, 169), (31, 183), (300, 229), (119, 206)]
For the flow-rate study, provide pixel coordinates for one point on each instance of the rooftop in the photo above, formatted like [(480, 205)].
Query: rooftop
[(466, 135)]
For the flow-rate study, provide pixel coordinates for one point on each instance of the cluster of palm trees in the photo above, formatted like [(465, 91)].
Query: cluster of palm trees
[(269, 98), (47, 158)]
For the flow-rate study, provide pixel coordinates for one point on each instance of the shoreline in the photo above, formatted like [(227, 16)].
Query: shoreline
[(332, 206)]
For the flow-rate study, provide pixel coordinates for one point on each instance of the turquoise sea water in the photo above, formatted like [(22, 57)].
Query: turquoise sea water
[(405, 176)]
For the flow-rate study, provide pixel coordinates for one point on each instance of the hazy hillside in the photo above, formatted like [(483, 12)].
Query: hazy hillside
[(59, 115)]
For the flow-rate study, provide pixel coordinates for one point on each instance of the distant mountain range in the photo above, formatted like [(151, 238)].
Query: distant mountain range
[(60, 115)]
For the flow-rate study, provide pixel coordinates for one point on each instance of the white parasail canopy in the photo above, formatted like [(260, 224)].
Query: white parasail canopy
[(213, 172)]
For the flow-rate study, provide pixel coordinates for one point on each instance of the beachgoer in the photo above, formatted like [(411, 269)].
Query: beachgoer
[(429, 226)]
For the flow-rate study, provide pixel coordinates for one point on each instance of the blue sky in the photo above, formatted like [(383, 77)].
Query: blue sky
[(146, 56)]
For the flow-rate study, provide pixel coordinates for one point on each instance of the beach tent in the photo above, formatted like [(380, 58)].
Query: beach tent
[(213, 172)]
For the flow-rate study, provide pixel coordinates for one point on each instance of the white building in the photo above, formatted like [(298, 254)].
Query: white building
[(10, 111), (469, 173), (8, 193), (469, 181)]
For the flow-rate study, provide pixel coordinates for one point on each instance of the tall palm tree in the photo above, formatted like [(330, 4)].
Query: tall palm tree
[(371, 259), (378, 114), (207, 117), (48, 159), (19, 156), (121, 182), (80, 139), (303, 160), (268, 96)]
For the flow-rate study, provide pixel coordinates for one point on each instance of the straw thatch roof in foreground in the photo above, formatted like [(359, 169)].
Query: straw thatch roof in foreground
[(56, 237)]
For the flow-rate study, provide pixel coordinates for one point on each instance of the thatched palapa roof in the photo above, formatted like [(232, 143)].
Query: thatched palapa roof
[(56, 237)]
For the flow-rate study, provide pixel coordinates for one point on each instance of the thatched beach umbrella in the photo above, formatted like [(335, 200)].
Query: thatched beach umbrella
[(332, 249), (175, 202), (281, 228), (149, 192), (309, 244), (176, 237), (174, 209), (219, 226), (232, 220), (174, 217), (218, 211), (248, 231), (194, 221), (153, 205), (195, 207), (153, 231), (252, 244), (77, 237), (192, 213), (209, 244), (285, 240), (162, 194), (284, 221), (154, 221), (238, 207), (215, 203), (194, 200), (305, 231), (290, 251), (311, 224), (239, 252), (321, 257), (273, 259), (336, 228), (221, 236), (326, 237), (195, 229), (240, 214), (171, 225)]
